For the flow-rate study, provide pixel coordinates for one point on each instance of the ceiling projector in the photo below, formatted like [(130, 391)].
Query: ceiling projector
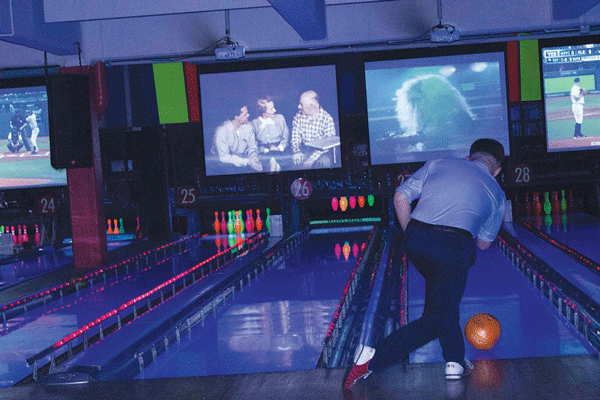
[(444, 34), (229, 52)]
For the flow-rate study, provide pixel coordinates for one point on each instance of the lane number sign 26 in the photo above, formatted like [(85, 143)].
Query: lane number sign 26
[(301, 189)]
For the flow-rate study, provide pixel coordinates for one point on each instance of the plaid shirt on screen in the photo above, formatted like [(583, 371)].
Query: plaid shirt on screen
[(306, 128)]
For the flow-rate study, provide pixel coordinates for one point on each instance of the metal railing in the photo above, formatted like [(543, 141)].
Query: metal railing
[(146, 349), (578, 308), (110, 322), (19, 306)]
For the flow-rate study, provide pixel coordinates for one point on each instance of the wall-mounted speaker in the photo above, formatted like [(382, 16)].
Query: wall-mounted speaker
[(70, 121)]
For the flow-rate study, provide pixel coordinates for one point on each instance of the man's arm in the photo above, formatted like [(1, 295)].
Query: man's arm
[(403, 209), (222, 149)]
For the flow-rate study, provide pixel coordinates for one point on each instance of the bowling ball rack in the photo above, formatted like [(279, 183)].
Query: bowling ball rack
[(373, 303)]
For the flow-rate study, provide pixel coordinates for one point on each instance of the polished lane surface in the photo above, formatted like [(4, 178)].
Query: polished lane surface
[(277, 322)]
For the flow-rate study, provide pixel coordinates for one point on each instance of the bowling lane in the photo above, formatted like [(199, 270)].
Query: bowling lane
[(531, 326), (26, 335), (14, 270), (579, 231), (585, 279), (31, 263), (277, 322)]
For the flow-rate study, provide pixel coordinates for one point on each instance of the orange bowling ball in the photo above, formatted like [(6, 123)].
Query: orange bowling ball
[(482, 331)]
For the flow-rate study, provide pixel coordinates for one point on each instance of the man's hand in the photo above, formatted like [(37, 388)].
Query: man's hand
[(308, 163), (297, 158), (255, 164)]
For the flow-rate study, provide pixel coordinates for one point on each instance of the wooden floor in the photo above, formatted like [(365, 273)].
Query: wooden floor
[(571, 377)]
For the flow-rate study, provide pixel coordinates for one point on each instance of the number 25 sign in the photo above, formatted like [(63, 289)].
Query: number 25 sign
[(301, 189), (187, 196)]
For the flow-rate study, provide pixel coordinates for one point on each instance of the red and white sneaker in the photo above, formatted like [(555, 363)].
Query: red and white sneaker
[(362, 356), (456, 371)]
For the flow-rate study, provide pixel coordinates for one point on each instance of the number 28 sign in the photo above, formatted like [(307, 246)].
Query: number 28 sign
[(301, 189), (521, 174)]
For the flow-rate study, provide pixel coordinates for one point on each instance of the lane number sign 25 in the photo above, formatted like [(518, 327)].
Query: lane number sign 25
[(187, 196)]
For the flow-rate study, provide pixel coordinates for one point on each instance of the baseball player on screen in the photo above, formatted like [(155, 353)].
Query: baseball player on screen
[(577, 94)]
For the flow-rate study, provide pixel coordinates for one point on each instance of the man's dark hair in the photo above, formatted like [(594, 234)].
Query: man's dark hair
[(488, 146)]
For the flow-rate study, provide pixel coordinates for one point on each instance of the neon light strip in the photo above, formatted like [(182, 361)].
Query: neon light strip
[(348, 220), (135, 300), (585, 261), (72, 285)]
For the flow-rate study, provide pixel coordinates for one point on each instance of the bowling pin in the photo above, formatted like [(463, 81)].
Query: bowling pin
[(242, 224), (217, 224), (249, 224), (109, 230), (337, 250), (555, 202), (259, 222), (334, 203), (223, 225), (116, 228), (343, 203), (25, 235), (251, 215), (121, 227), (547, 205), (361, 201), (352, 202), (37, 235), (371, 200), (268, 223), (14, 235), (238, 223), (19, 235), (563, 201), (230, 222)]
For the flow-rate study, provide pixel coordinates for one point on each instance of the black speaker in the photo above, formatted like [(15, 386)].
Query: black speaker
[(70, 121)]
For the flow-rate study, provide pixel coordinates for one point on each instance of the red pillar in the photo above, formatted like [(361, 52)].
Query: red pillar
[(86, 192)]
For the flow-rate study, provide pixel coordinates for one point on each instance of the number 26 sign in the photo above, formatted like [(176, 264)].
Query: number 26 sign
[(301, 189)]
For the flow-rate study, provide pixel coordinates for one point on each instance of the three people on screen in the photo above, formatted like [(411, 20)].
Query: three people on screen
[(264, 143)]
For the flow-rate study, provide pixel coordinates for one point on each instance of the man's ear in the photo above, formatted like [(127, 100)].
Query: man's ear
[(497, 171)]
